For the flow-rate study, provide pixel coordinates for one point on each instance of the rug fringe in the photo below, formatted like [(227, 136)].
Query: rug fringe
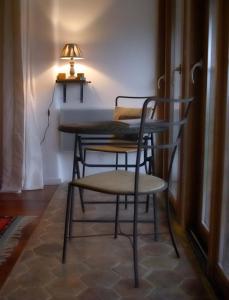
[(11, 237)]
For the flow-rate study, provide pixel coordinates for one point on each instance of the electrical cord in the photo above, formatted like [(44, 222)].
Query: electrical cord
[(48, 123)]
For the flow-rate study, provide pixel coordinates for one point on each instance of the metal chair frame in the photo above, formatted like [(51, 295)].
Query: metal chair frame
[(90, 141), (93, 141), (146, 127)]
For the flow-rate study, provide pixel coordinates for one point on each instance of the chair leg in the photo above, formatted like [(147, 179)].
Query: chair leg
[(116, 217), (116, 161), (169, 223), (145, 161), (71, 210), (135, 243), (66, 226), (117, 196), (155, 217), (148, 171), (81, 200), (152, 163), (80, 190), (126, 168), (147, 204), (150, 168), (84, 160), (83, 174)]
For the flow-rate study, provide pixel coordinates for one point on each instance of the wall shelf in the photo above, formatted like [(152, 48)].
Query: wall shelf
[(65, 82)]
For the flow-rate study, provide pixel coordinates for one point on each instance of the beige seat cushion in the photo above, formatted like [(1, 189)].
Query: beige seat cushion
[(113, 148), (120, 182), (126, 113)]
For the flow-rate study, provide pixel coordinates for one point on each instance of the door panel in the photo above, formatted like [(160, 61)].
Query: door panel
[(176, 87), (209, 117), (195, 31), (203, 89), (223, 259)]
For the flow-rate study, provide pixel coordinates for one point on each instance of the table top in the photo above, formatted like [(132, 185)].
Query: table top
[(112, 127)]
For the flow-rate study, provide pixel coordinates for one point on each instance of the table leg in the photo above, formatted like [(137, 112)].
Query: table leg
[(75, 158), (75, 173), (81, 92), (64, 93), (76, 168)]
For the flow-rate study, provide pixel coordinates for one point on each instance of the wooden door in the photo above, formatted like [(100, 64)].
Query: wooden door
[(195, 63), (205, 176)]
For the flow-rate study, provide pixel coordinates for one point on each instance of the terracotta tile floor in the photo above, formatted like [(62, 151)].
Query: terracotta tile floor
[(100, 268)]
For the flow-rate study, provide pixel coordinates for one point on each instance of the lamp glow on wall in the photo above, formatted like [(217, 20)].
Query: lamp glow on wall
[(72, 52)]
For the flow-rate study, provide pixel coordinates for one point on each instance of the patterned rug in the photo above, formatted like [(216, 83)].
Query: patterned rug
[(5, 222), (10, 233), (100, 268)]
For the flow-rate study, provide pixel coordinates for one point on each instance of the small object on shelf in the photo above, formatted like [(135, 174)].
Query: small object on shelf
[(61, 76), (81, 82), (80, 76)]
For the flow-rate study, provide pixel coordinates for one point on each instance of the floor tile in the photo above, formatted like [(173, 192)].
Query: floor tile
[(98, 294), (100, 267)]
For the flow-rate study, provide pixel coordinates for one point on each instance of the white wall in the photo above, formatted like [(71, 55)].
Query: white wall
[(118, 41)]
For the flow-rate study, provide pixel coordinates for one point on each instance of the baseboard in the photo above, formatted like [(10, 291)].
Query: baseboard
[(198, 250)]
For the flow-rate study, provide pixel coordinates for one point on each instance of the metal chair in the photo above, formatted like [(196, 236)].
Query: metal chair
[(115, 146), (124, 110), (121, 182)]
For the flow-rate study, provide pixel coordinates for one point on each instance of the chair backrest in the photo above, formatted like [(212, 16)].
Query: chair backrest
[(158, 127), (130, 111)]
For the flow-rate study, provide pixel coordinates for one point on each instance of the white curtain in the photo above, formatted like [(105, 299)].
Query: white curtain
[(11, 98), (33, 168)]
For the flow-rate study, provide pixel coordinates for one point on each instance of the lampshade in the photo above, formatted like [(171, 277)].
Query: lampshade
[(71, 51)]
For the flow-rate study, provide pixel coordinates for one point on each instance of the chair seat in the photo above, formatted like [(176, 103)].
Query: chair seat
[(121, 182), (113, 148)]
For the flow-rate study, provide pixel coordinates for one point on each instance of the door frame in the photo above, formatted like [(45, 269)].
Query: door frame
[(222, 105), (191, 150)]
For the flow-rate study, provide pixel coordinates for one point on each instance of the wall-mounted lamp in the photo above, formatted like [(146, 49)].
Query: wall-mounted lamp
[(72, 52)]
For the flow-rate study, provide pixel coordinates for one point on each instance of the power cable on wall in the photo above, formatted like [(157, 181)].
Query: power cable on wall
[(48, 123)]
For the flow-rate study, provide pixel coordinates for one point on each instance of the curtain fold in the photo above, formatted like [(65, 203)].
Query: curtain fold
[(20, 150), (33, 165), (11, 98), (1, 87)]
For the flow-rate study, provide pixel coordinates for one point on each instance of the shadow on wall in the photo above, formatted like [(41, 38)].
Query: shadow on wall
[(43, 36)]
